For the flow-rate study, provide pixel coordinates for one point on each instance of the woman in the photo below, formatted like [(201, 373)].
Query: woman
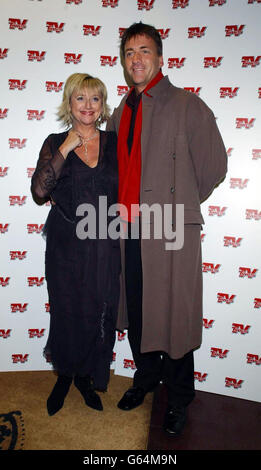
[(77, 167)]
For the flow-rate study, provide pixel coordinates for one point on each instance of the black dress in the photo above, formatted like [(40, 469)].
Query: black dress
[(82, 274)]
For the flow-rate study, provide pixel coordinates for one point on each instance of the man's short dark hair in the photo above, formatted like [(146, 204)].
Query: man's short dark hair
[(137, 29)]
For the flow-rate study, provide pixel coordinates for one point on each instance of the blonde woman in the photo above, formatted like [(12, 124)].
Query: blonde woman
[(76, 167)]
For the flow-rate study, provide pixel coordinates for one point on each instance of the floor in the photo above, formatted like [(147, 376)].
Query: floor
[(214, 422)]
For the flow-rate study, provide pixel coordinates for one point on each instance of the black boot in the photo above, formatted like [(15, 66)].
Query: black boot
[(91, 398), (58, 394)]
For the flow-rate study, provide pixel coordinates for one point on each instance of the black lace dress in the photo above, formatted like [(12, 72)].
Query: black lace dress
[(82, 274)]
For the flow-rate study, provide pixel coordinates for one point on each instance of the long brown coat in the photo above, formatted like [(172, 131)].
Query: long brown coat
[(183, 158)]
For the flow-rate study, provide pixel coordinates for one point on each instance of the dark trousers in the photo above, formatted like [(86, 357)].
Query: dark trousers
[(156, 366)]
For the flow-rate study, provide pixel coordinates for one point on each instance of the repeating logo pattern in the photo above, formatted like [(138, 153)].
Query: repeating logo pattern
[(217, 59)]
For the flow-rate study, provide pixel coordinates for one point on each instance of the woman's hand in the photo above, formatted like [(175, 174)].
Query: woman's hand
[(72, 141)]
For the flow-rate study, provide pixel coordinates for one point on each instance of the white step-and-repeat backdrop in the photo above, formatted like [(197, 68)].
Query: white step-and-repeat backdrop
[(212, 48)]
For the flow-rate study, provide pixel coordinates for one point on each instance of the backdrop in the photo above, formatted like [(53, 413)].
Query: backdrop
[(212, 48)]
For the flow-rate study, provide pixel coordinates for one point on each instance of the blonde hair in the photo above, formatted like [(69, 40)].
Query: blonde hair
[(78, 82)]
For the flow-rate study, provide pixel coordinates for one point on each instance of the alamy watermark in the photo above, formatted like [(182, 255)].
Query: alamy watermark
[(112, 224)]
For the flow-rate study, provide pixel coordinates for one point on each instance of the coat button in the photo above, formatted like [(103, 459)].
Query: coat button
[(172, 189), (174, 155)]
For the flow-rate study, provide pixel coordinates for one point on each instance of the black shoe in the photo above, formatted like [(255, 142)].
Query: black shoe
[(132, 398), (175, 419), (56, 399), (85, 387)]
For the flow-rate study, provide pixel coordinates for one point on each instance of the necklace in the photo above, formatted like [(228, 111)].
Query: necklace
[(85, 141)]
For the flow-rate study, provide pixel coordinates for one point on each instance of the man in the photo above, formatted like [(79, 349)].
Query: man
[(169, 152)]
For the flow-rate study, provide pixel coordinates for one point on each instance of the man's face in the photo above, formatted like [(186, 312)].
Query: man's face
[(142, 61)]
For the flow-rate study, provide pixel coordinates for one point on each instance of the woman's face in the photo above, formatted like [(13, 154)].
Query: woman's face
[(86, 107)]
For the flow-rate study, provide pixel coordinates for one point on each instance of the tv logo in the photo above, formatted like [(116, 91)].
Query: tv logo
[(210, 268), (34, 228), (224, 297), (256, 154), (4, 228), (231, 382), (5, 333), (239, 328), (253, 214), (228, 92), (176, 62), (250, 61), (36, 333), (216, 210), (15, 83), (234, 29), (3, 171), (208, 323), (53, 86), (244, 122), (253, 359), (54, 26), (212, 62), (36, 55), (232, 241), (145, 4), (35, 281), (17, 23), (18, 307), (247, 272), (91, 29), (180, 3), (72, 57), (35, 114), (196, 32), (3, 53), (238, 183), (22, 358), (129, 364), (108, 60), (201, 377), (17, 200), (193, 89), (17, 255), (4, 281), (218, 352)]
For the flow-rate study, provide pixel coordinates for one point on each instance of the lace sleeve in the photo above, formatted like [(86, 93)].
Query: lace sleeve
[(47, 171)]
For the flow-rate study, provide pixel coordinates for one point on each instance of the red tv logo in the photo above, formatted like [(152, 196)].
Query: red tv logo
[(253, 214), (232, 382), (164, 33), (108, 60), (257, 303), (54, 26), (110, 3), (35, 281), (17, 255), (36, 55), (193, 89), (212, 62), (15, 83), (207, 323), (4, 228), (238, 183), (3, 113), (145, 4), (228, 92), (239, 328), (30, 172), (47, 307), (34, 228), (35, 114), (244, 122), (176, 62), (247, 272), (36, 333), (180, 3), (234, 29), (122, 90), (17, 143), (250, 61), (17, 23), (216, 210), (54, 86), (256, 154), (210, 268), (72, 57), (218, 352), (253, 359), (129, 364), (3, 171), (232, 241), (212, 3), (5, 333), (196, 31), (4, 281), (76, 2), (20, 358), (224, 297), (17, 200), (18, 308), (3, 53), (91, 29), (121, 336), (201, 377)]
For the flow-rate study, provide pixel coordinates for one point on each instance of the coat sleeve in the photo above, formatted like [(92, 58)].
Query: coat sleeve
[(47, 172), (206, 147)]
